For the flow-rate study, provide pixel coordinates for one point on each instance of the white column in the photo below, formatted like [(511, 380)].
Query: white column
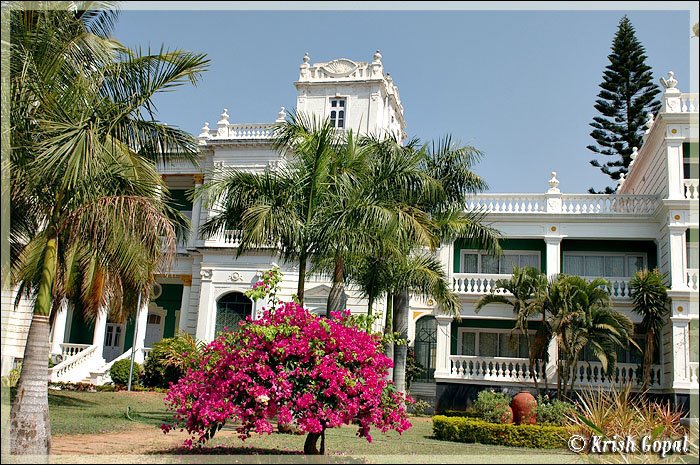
[(196, 214), (59, 327), (674, 157), (205, 325), (680, 349), (141, 324), (553, 359), (677, 257), (553, 253), (98, 337), (442, 350), (185, 303)]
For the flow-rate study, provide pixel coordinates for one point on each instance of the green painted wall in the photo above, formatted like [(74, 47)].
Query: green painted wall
[(483, 323), (81, 332), (587, 245), (179, 200), (170, 299), (506, 244)]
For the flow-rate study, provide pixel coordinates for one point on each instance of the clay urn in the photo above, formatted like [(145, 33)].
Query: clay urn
[(507, 416), (523, 405)]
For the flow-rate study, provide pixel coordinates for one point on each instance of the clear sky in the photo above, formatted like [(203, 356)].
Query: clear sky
[(518, 85)]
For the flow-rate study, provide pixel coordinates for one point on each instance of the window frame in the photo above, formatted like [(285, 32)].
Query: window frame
[(625, 255), (477, 331), (344, 106), (480, 254)]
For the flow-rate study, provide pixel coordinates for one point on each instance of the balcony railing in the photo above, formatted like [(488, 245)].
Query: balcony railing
[(519, 370), (592, 374), (689, 102), (570, 204), (476, 283), (228, 238), (690, 188), (497, 369), (691, 278)]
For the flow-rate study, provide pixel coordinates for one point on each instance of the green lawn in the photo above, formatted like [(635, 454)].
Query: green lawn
[(74, 413), (104, 412)]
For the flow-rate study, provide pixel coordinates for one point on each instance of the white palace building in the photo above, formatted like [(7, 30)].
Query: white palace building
[(652, 221)]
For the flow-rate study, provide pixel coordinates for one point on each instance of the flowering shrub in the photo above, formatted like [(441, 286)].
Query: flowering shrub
[(267, 287), (293, 366)]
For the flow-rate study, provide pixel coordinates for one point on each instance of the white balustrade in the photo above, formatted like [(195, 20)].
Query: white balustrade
[(612, 204), (619, 287), (690, 188), (75, 367), (476, 283), (507, 203), (493, 369), (68, 350), (689, 103), (146, 352), (693, 372), (691, 278), (575, 204), (261, 131), (593, 374)]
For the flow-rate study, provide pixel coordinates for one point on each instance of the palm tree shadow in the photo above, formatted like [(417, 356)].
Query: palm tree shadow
[(56, 400)]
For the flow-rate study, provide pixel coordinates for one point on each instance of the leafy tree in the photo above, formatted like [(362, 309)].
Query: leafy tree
[(651, 301), (627, 95), (89, 215), (525, 292), (293, 366)]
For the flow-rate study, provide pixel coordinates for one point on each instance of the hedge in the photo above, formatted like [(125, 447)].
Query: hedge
[(471, 430)]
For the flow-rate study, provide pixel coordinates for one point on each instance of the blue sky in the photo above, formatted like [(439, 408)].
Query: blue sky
[(518, 85)]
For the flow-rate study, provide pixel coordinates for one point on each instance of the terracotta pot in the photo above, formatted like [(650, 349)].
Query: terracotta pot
[(507, 417), (523, 405)]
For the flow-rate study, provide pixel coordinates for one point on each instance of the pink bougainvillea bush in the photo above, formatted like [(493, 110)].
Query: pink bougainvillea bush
[(290, 366)]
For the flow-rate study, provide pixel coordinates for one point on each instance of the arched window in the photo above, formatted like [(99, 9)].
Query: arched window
[(425, 347), (230, 309)]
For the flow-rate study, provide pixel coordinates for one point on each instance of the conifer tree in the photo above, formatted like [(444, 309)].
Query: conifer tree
[(627, 95)]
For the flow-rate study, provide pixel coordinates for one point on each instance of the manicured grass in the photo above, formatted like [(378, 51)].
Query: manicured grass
[(104, 412)]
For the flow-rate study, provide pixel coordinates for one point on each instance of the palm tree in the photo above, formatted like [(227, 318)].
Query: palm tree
[(527, 287), (94, 223), (650, 299), (581, 317), (281, 206)]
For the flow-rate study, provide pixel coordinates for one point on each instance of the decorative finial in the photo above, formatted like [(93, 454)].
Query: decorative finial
[(224, 118), (389, 78), (377, 57), (281, 116), (635, 152), (553, 183), (306, 58), (205, 131), (670, 83), (650, 122)]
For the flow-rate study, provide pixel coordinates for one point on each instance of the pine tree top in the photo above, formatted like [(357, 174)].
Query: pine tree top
[(627, 94)]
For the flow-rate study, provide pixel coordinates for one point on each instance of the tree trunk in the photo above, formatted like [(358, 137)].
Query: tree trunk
[(302, 278), (337, 299), (389, 347), (311, 441), (646, 368), (30, 429), (400, 324)]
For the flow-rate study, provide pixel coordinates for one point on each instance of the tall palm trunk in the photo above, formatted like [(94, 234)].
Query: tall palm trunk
[(337, 299), (648, 352), (389, 348), (400, 324), (302, 278), (30, 429)]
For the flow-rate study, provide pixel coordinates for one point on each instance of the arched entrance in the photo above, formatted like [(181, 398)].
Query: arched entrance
[(230, 310), (425, 347)]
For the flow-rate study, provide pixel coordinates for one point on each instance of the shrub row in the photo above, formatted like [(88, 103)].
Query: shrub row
[(471, 430)]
